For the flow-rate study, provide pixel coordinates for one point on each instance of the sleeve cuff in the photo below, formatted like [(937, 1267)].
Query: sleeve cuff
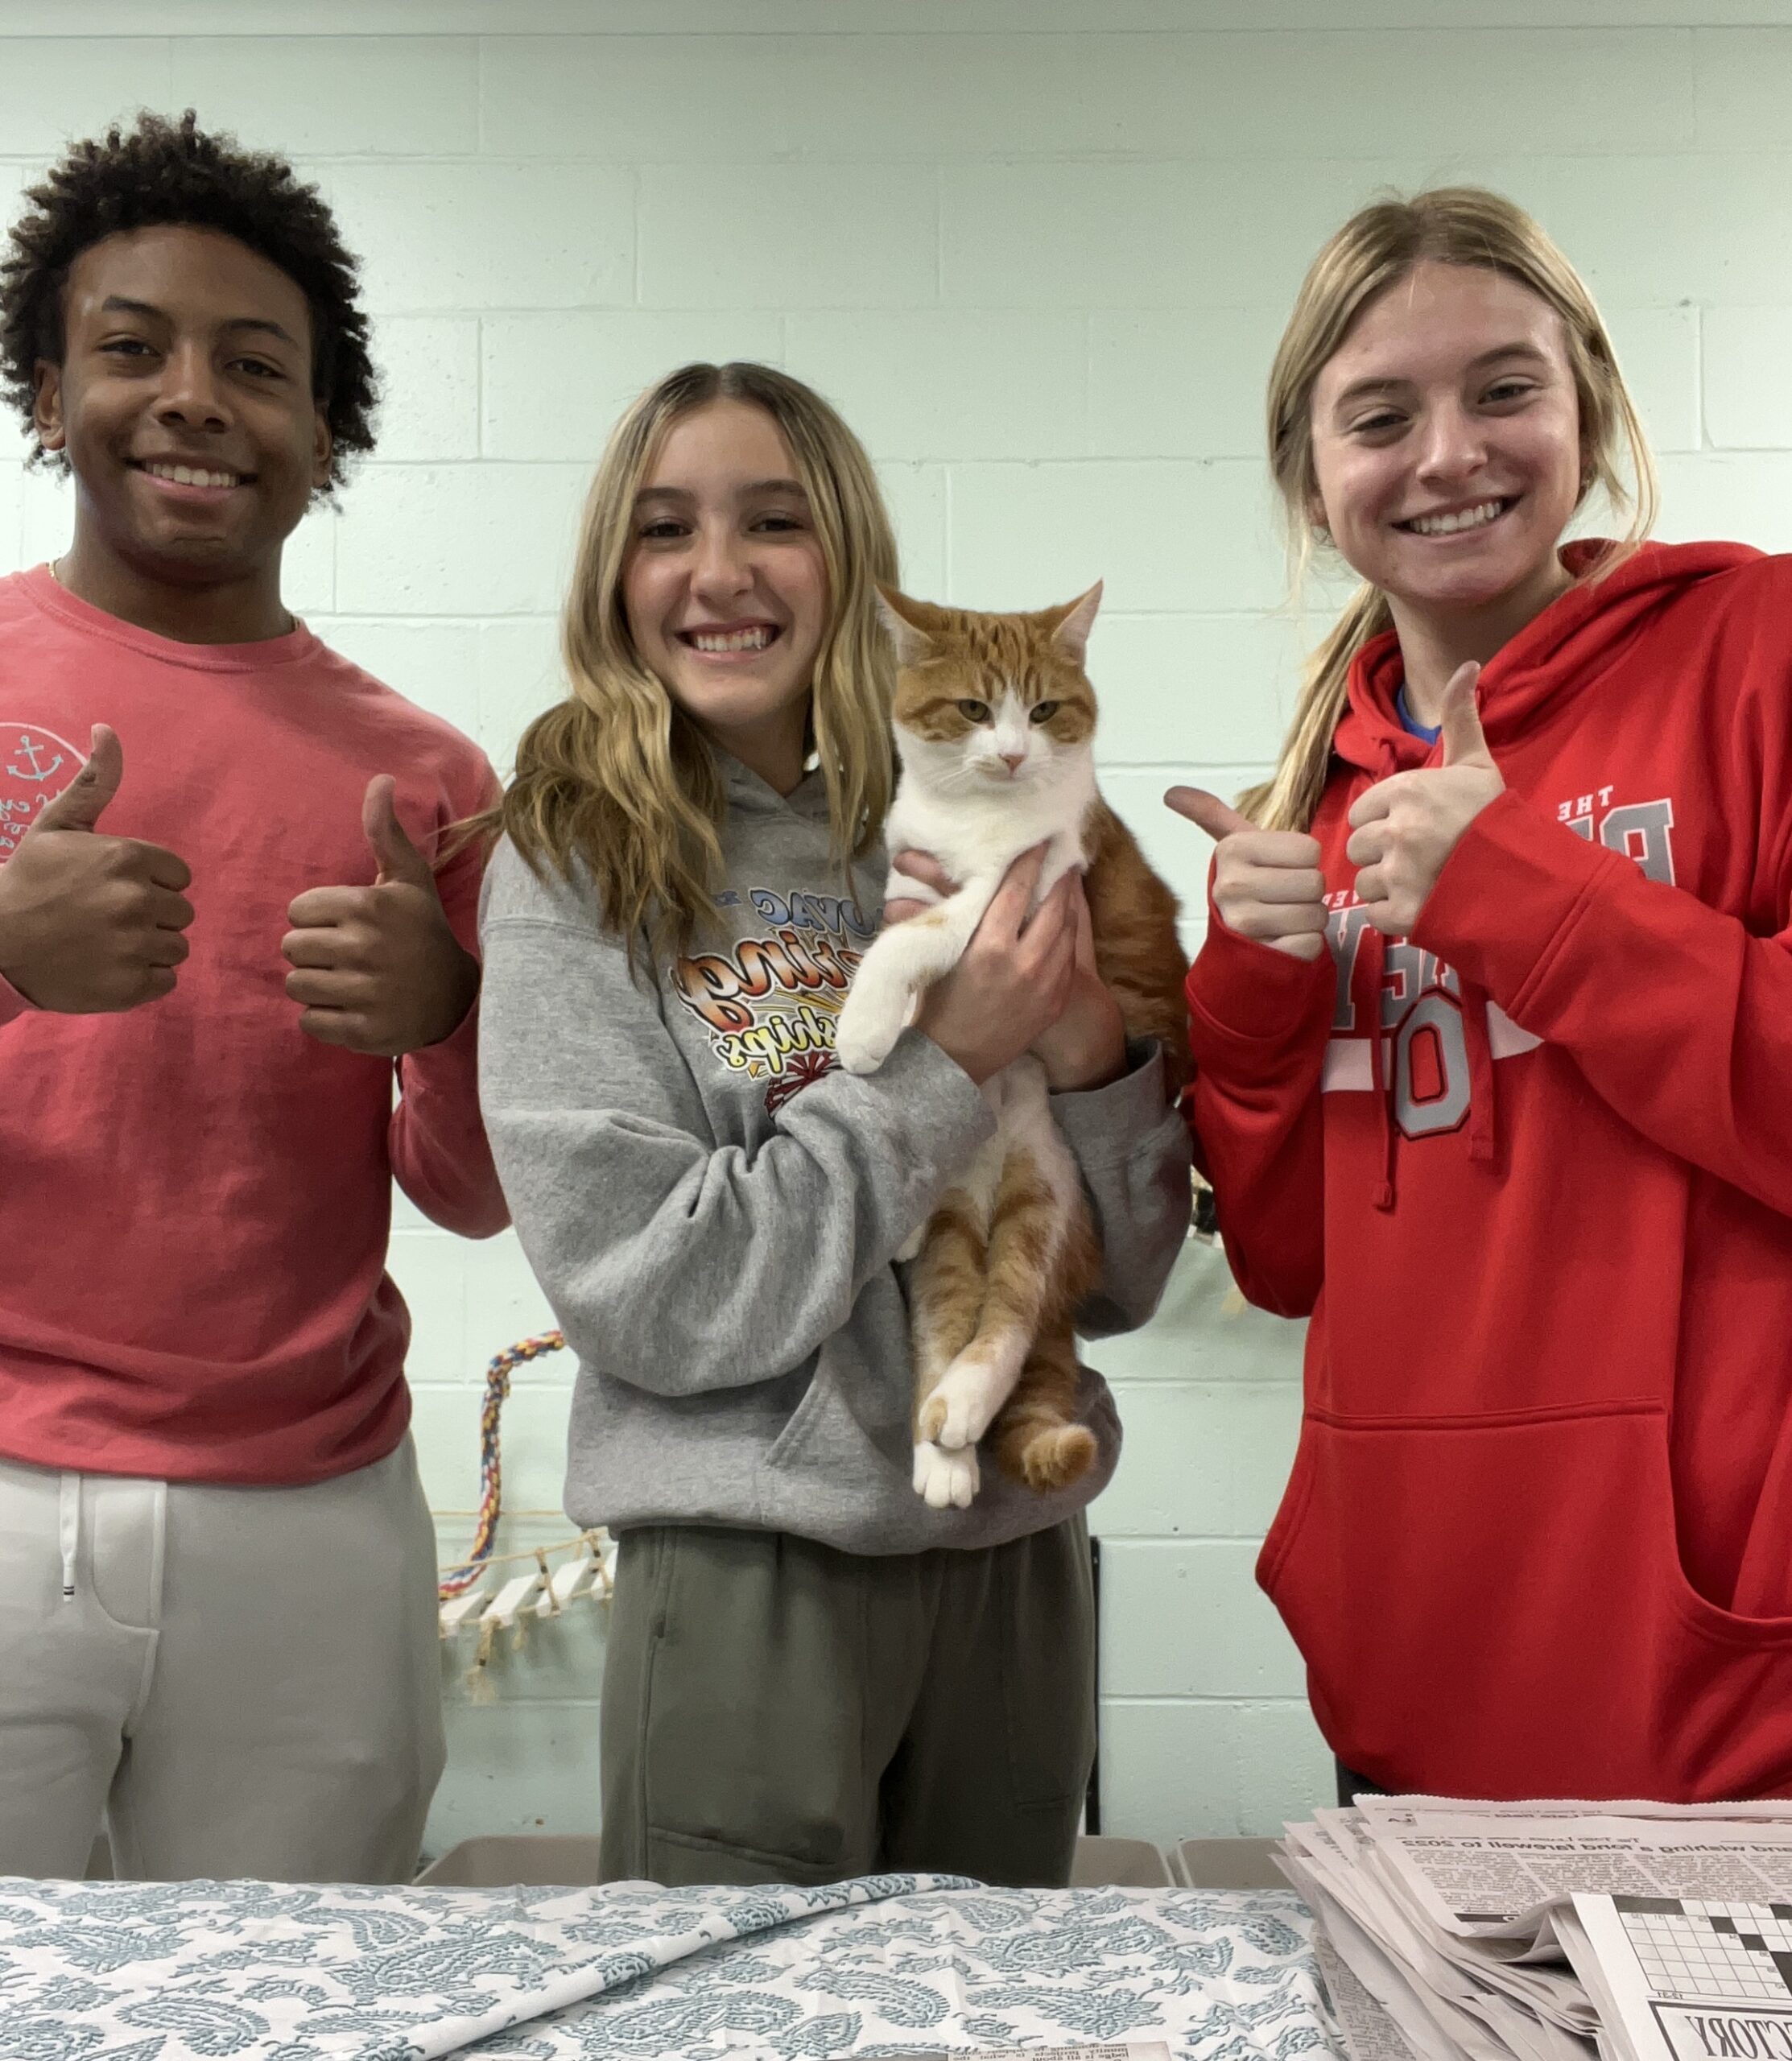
[(1104, 1125), (922, 1104), (1247, 993), (1506, 893), (13, 1003), (450, 1061)]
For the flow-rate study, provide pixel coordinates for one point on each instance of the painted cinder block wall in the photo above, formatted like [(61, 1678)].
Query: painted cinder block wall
[(1039, 256)]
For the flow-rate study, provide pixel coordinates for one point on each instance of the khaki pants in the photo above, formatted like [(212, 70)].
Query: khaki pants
[(774, 1711), (238, 1682)]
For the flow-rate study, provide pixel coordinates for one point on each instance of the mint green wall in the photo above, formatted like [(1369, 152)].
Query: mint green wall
[(1041, 264)]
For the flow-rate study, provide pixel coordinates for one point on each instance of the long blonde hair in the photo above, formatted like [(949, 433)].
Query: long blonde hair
[(1377, 247), (618, 776)]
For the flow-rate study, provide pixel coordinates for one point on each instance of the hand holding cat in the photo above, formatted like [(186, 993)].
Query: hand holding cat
[(1267, 884), (378, 969), (1015, 978), (1086, 1047), (1404, 827)]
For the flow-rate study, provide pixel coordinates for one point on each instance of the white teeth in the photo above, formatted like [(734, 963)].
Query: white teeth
[(1467, 519), (191, 476), (755, 639)]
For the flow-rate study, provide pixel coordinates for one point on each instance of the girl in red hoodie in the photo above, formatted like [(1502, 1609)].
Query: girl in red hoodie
[(1493, 1025)]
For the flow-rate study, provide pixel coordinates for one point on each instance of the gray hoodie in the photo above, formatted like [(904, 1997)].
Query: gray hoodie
[(712, 1208)]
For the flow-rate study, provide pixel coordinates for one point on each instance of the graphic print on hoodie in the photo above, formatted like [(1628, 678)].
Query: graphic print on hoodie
[(771, 1002), (1539, 1536)]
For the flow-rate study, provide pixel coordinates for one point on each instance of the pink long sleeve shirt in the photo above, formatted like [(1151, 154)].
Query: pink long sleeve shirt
[(194, 1196)]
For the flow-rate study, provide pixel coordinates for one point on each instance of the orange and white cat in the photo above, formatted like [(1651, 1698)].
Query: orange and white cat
[(994, 726)]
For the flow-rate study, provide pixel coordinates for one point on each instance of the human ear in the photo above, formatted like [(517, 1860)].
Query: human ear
[(1316, 519), (47, 405), (323, 450)]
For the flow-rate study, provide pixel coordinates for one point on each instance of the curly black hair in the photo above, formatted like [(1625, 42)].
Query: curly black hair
[(163, 172)]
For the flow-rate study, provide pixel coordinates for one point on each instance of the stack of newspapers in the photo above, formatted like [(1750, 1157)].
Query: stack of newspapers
[(1542, 1932)]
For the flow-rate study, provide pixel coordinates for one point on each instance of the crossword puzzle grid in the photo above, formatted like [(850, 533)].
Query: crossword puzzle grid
[(1690, 1948)]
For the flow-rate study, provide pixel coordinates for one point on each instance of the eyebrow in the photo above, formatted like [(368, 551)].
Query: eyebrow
[(116, 304), (1359, 389), (755, 487)]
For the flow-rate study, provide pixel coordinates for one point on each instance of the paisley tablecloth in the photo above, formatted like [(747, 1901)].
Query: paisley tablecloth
[(887, 1965)]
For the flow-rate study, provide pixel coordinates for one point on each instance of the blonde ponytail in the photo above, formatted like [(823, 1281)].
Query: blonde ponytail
[(1289, 798)]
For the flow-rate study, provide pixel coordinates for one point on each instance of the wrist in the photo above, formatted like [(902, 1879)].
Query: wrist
[(460, 996), (13, 967), (1078, 1073), (977, 1066), (1090, 1053)]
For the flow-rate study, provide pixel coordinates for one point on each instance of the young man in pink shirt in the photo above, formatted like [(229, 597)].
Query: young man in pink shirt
[(230, 928)]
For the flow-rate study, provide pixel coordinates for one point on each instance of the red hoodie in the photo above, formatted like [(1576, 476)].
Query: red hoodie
[(196, 1195), (1539, 1536)]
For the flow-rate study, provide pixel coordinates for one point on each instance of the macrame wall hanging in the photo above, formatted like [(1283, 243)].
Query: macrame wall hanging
[(480, 1600)]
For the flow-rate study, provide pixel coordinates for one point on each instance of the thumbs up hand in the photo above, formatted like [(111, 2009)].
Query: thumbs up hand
[(1404, 827), (1266, 883), (378, 969), (89, 923)]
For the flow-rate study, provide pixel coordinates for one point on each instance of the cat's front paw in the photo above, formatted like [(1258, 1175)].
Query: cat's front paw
[(964, 1402), (945, 1481), (864, 1034)]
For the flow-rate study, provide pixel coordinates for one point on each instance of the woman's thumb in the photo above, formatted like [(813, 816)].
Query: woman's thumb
[(1207, 812), (1464, 741)]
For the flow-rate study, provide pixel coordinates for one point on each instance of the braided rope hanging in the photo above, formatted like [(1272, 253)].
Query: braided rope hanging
[(457, 1580)]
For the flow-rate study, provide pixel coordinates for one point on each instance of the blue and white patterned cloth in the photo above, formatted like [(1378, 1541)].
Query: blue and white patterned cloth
[(887, 1965)]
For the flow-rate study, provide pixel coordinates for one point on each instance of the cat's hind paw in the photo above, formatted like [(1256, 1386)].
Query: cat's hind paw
[(964, 1402), (945, 1481)]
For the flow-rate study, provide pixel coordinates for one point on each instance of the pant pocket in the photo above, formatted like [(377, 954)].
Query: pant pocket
[(752, 1732)]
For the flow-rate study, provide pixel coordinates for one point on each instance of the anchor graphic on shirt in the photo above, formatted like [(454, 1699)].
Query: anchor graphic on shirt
[(29, 746), (35, 766)]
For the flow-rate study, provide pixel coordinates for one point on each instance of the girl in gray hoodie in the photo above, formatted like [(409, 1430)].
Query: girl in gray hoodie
[(810, 1673)]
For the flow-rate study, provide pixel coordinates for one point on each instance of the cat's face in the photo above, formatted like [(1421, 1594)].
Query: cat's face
[(985, 702)]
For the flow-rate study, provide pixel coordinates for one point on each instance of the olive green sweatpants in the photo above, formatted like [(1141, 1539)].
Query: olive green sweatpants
[(776, 1711)]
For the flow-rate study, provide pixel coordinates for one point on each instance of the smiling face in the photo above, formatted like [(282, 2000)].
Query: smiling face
[(724, 585), (1447, 442), (184, 403)]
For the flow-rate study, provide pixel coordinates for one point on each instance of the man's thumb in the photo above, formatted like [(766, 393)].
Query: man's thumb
[(1207, 812), (398, 858), (82, 803), (1464, 741)]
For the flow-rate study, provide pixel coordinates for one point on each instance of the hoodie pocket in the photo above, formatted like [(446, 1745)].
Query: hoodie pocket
[(1498, 1608), (789, 1442)]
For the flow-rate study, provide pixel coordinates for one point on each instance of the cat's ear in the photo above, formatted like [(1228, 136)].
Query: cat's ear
[(913, 644), (1070, 632)]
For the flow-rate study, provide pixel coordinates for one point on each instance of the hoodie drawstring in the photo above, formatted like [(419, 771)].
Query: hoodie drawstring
[(1484, 1109), (68, 1530), (1382, 1195)]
